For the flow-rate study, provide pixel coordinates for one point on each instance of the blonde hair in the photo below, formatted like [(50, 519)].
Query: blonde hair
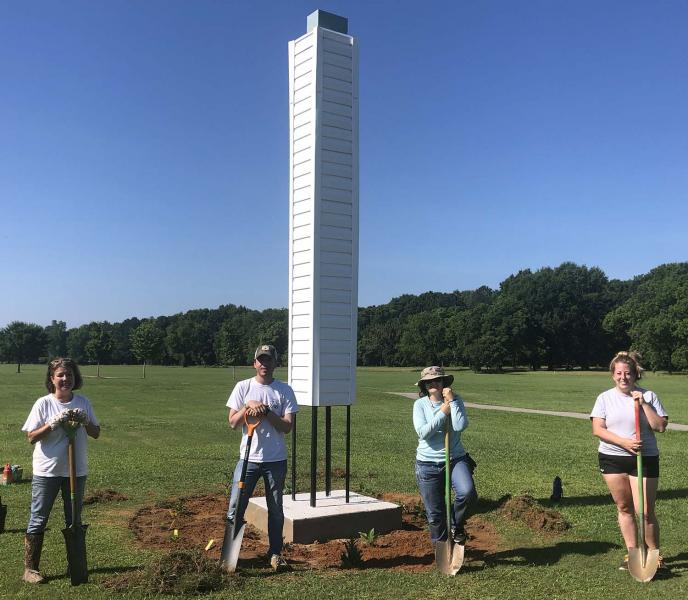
[(630, 358)]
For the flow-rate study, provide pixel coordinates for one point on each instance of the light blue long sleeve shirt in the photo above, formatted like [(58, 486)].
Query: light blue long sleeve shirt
[(429, 422)]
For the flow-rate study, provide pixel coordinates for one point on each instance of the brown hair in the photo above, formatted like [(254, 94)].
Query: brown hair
[(632, 359), (65, 363)]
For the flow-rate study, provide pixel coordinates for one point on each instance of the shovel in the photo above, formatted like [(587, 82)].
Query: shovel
[(75, 533), (234, 529), (448, 555), (642, 562), (3, 515)]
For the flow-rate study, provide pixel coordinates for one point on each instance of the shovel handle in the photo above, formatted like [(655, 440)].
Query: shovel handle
[(637, 419), (251, 425), (447, 481), (641, 490)]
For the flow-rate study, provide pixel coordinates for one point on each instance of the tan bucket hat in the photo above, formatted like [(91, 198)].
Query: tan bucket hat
[(430, 373)]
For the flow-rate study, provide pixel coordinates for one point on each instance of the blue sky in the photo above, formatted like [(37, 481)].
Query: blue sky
[(144, 148)]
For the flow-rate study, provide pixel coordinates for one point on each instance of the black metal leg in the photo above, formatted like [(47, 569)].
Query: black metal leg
[(314, 451), (348, 450), (293, 457), (328, 450)]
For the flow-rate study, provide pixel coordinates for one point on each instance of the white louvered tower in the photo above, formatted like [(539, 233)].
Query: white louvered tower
[(323, 218)]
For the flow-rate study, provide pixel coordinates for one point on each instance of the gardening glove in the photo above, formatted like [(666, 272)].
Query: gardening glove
[(80, 416), (56, 420)]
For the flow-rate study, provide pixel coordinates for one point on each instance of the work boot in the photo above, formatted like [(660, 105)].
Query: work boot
[(279, 564), (33, 545), (662, 567)]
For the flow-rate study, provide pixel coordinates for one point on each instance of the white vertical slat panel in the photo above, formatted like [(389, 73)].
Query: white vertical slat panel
[(323, 271)]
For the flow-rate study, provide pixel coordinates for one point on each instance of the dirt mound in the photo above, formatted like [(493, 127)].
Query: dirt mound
[(200, 519), (533, 514), (97, 496)]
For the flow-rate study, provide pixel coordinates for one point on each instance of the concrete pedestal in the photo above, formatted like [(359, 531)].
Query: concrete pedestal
[(331, 518)]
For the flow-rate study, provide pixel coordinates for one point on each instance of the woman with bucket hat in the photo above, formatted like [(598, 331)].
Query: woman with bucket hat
[(437, 411)]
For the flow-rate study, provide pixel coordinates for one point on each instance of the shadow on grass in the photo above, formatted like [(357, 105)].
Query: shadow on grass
[(546, 555), (601, 499), (99, 570)]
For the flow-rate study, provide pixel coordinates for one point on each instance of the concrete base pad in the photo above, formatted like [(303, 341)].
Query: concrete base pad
[(331, 518)]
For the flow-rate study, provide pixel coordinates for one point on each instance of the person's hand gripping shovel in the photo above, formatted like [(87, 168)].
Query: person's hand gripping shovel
[(75, 533), (234, 529), (642, 562), (448, 555)]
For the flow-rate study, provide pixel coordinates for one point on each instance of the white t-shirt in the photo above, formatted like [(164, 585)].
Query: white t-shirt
[(618, 411), (50, 454), (267, 444)]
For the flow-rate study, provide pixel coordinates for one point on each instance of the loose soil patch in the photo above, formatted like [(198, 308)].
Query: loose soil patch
[(200, 519), (97, 496), (533, 514)]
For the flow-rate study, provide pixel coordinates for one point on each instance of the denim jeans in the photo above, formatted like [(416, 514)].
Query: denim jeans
[(43, 493), (273, 474), (430, 477)]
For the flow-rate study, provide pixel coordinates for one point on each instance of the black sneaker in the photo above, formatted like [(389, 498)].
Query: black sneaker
[(459, 535)]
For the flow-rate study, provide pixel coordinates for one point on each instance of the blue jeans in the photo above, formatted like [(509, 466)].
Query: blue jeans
[(43, 493), (430, 477), (273, 474)]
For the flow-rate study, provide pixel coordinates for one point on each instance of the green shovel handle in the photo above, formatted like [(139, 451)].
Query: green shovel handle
[(641, 491), (447, 485)]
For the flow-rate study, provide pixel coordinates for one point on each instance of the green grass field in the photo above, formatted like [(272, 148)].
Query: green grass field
[(167, 436)]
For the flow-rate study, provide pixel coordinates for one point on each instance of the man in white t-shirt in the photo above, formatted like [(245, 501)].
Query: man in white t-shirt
[(274, 402)]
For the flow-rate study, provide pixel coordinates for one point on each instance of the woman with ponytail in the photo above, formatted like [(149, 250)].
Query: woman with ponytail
[(613, 422)]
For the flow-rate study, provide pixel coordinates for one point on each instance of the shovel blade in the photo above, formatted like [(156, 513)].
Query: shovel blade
[(75, 541), (642, 565), (457, 557), (449, 557), (3, 516), (231, 546)]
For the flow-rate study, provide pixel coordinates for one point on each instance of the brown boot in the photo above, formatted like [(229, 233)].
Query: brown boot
[(33, 544)]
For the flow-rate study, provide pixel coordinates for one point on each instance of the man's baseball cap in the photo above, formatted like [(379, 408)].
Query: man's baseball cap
[(266, 350)]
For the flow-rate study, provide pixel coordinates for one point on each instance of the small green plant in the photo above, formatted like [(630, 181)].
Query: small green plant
[(351, 557), (368, 538)]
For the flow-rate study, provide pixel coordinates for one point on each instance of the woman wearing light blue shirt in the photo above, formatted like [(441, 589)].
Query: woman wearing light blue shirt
[(437, 408)]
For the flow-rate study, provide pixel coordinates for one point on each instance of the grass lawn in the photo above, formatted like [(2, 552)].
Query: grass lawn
[(167, 436)]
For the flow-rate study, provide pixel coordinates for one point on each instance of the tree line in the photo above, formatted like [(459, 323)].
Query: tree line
[(564, 317)]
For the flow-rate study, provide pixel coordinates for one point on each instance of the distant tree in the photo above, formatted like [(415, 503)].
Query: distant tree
[(99, 345), (56, 334), (190, 341), (562, 310), (22, 342), (147, 343), (231, 343), (425, 339), (77, 338), (271, 328), (121, 341), (655, 317), (488, 351), (378, 344)]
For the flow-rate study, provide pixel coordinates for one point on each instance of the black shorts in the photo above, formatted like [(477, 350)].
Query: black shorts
[(615, 465)]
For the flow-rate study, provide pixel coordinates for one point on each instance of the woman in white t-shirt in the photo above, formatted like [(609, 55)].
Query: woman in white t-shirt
[(44, 430), (613, 422)]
